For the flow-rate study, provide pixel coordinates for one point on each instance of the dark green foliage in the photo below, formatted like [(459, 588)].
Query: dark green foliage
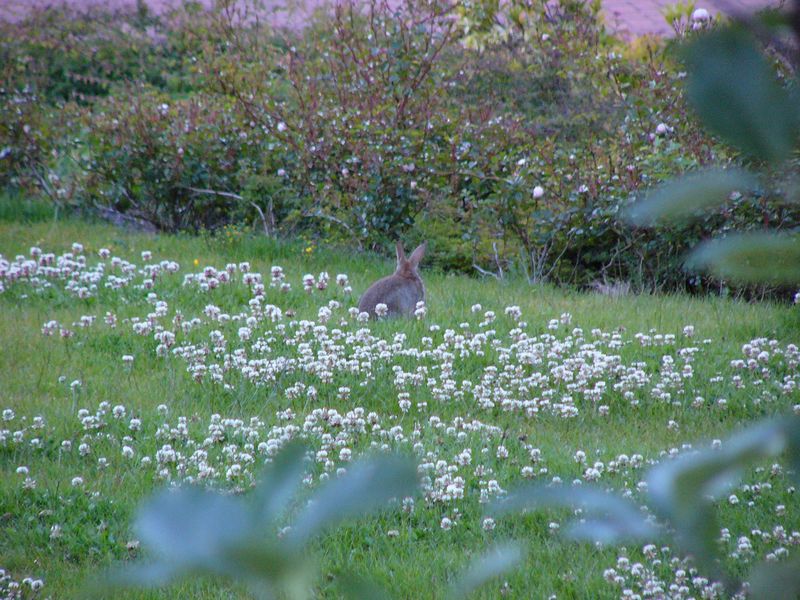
[(375, 123)]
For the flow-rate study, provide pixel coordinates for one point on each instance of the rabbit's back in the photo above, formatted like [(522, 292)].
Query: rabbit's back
[(399, 294)]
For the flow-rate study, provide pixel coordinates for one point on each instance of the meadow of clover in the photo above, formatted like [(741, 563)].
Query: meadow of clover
[(193, 203)]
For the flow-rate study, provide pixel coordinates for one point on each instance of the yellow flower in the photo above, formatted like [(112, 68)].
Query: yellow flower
[(196, 262)]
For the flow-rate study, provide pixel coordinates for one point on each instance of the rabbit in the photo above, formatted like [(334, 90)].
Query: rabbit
[(399, 292)]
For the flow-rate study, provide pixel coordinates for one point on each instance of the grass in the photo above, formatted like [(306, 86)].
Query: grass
[(421, 561)]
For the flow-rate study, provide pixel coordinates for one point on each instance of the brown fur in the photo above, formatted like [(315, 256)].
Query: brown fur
[(401, 291)]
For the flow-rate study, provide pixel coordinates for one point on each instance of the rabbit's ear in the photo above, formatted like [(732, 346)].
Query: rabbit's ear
[(418, 254), (401, 255)]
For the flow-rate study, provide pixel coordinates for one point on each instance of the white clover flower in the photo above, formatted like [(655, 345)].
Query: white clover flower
[(127, 452), (381, 309), (77, 481), (446, 524), (488, 524), (700, 14), (162, 409), (538, 192)]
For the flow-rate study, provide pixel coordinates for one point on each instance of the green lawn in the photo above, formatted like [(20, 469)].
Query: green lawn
[(513, 402)]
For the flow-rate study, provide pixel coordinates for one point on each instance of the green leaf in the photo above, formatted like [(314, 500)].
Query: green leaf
[(193, 528), (155, 574), (682, 196), (279, 483), (620, 518), (482, 569), (359, 588), (775, 581), (750, 258), (681, 489), (793, 445), (737, 95), (367, 485)]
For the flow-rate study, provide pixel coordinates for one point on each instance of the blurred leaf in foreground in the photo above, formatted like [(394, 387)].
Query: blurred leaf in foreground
[(482, 569), (193, 530), (683, 490), (618, 518), (750, 258), (683, 196), (737, 95)]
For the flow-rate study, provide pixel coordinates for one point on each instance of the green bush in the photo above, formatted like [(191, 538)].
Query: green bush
[(65, 54), (173, 163), (354, 110), (512, 136)]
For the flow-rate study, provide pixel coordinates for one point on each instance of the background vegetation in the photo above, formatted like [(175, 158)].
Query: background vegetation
[(510, 137)]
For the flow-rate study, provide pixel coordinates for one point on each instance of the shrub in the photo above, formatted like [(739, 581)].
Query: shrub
[(382, 121), (65, 54), (355, 112), (173, 163)]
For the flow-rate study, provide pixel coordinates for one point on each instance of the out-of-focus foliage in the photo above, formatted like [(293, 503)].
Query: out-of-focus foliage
[(682, 497), (196, 531), (736, 92)]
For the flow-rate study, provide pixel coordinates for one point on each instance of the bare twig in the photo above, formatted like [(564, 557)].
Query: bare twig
[(485, 272), (212, 192), (264, 222)]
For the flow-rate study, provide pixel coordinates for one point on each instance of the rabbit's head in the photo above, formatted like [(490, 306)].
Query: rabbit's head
[(407, 267)]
